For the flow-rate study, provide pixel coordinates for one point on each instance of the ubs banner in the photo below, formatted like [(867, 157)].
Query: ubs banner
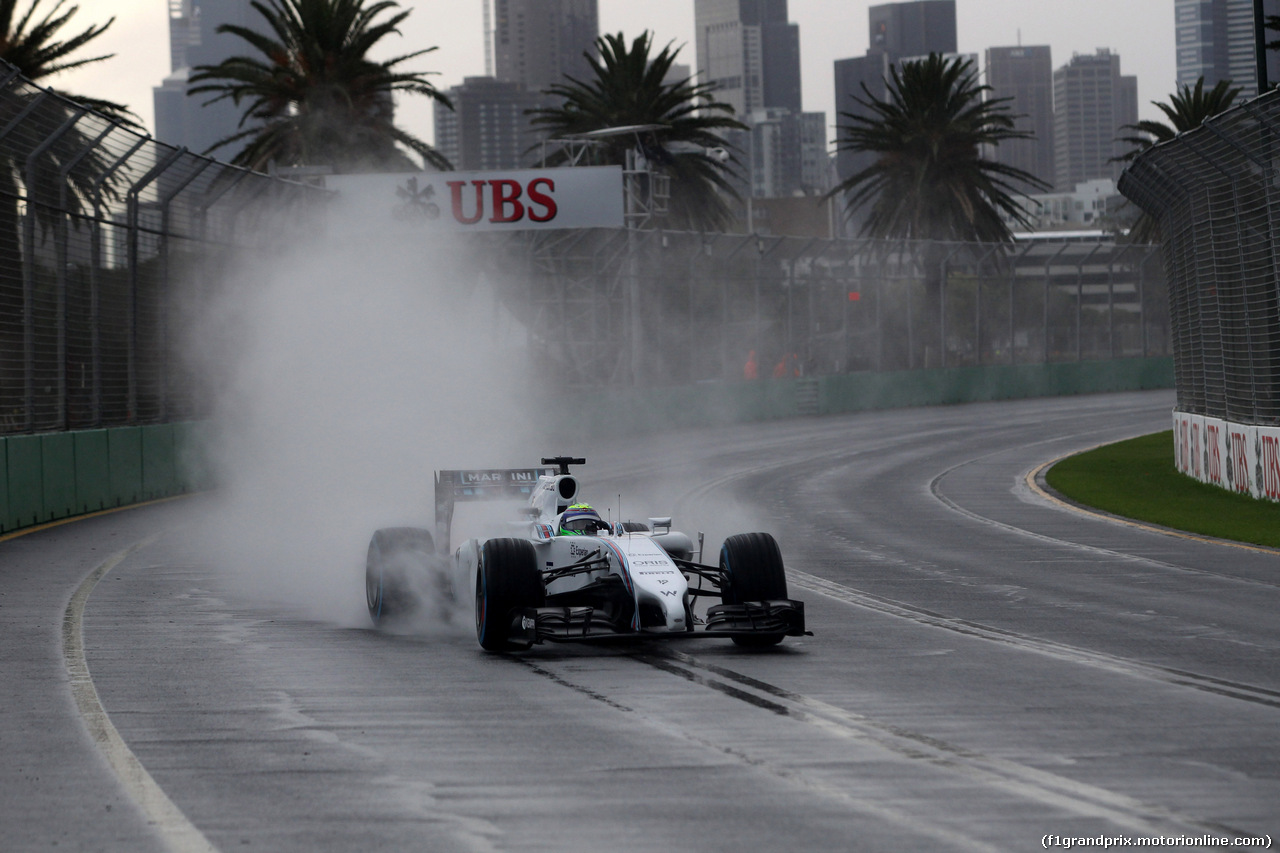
[(1238, 457), (578, 197)]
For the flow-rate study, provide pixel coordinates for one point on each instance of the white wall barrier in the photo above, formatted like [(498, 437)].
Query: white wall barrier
[(1238, 457)]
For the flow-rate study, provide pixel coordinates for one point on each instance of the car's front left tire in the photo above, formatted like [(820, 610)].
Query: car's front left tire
[(752, 569), (507, 579)]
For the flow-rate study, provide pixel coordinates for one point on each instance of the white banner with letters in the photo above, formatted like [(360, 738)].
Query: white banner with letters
[(577, 197), (1237, 457)]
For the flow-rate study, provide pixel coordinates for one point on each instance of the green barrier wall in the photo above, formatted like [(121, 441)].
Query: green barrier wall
[(51, 476), (633, 412), (57, 475)]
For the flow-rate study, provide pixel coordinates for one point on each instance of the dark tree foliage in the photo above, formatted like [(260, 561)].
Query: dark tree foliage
[(30, 42), (929, 179), (1188, 108), (311, 94), (627, 89)]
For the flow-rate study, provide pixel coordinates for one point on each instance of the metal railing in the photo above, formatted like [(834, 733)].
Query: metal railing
[(1214, 192), (608, 308), (98, 224)]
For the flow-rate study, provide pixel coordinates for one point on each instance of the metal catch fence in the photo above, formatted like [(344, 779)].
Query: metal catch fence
[(97, 224), (104, 232), (1214, 194), (651, 307)]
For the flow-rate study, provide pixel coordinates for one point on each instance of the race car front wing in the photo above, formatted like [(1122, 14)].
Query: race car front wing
[(780, 617)]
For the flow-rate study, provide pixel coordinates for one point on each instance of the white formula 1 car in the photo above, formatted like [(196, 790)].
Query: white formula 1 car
[(571, 576)]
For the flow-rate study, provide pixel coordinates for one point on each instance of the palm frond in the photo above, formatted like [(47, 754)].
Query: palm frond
[(311, 95), (627, 87)]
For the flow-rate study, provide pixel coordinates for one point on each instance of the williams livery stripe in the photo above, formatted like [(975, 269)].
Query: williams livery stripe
[(626, 579)]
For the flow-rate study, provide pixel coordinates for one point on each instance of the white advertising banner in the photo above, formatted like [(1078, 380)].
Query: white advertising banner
[(1186, 443), (1237, 457), (1266, 463), (578, 197), (1238, 460)]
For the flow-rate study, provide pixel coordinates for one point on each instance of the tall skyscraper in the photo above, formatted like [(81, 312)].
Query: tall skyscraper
[(487, 127), (1025, 75), (913, 29), (194, 40), (1216, 40), (750, 52), (538, 42), (1092, 101)]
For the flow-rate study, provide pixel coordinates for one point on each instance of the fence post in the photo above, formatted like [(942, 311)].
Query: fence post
[(1044, 331), (95, 266), (131, 235), (942, 304), (166, 284), (1080, 265), (29, 283), (61, 251)]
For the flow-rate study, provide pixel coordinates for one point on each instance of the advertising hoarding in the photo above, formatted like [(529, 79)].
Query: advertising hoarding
[(579, 197)]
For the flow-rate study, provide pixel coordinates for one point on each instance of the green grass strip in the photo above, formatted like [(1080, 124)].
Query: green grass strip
[(1137, 479)]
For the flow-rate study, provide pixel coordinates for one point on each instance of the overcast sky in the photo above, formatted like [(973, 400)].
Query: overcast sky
[(1140, 31)]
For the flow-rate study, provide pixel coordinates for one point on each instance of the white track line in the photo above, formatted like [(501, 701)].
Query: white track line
[(178, 834)]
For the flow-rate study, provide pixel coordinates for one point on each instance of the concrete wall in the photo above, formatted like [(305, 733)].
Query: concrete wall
[(51, 476)]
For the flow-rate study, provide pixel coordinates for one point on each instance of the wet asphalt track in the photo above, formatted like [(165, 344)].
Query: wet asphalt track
[(985, 669)]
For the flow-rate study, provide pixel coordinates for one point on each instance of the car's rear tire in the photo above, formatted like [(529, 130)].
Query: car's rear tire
[(752, 567), (395, 554), (507, 578)]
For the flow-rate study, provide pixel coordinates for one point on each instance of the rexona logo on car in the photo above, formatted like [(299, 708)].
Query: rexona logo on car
[(578, 197)]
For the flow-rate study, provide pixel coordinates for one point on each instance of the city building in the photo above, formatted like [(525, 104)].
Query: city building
[(913, 29), (1217, 40), (1092, 102), (750, 52), (1089, 205), (488, 127), (194, 40), (537, 43), (1024, 75), (787, 151)]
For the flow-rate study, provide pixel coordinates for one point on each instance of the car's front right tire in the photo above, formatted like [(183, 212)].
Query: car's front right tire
[(395, 553)]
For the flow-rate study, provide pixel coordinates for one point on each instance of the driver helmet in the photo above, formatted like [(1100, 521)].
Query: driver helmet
[(580, 519)]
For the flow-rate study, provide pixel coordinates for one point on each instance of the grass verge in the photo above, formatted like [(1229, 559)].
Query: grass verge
[(1136, 479)]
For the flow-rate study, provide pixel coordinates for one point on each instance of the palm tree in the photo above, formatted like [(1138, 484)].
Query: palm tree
[(314, 97), (929, 180), (1188, 108), (28, 43), (682, 122)]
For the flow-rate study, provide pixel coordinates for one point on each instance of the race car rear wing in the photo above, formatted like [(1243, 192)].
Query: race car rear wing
[(490, 484)]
